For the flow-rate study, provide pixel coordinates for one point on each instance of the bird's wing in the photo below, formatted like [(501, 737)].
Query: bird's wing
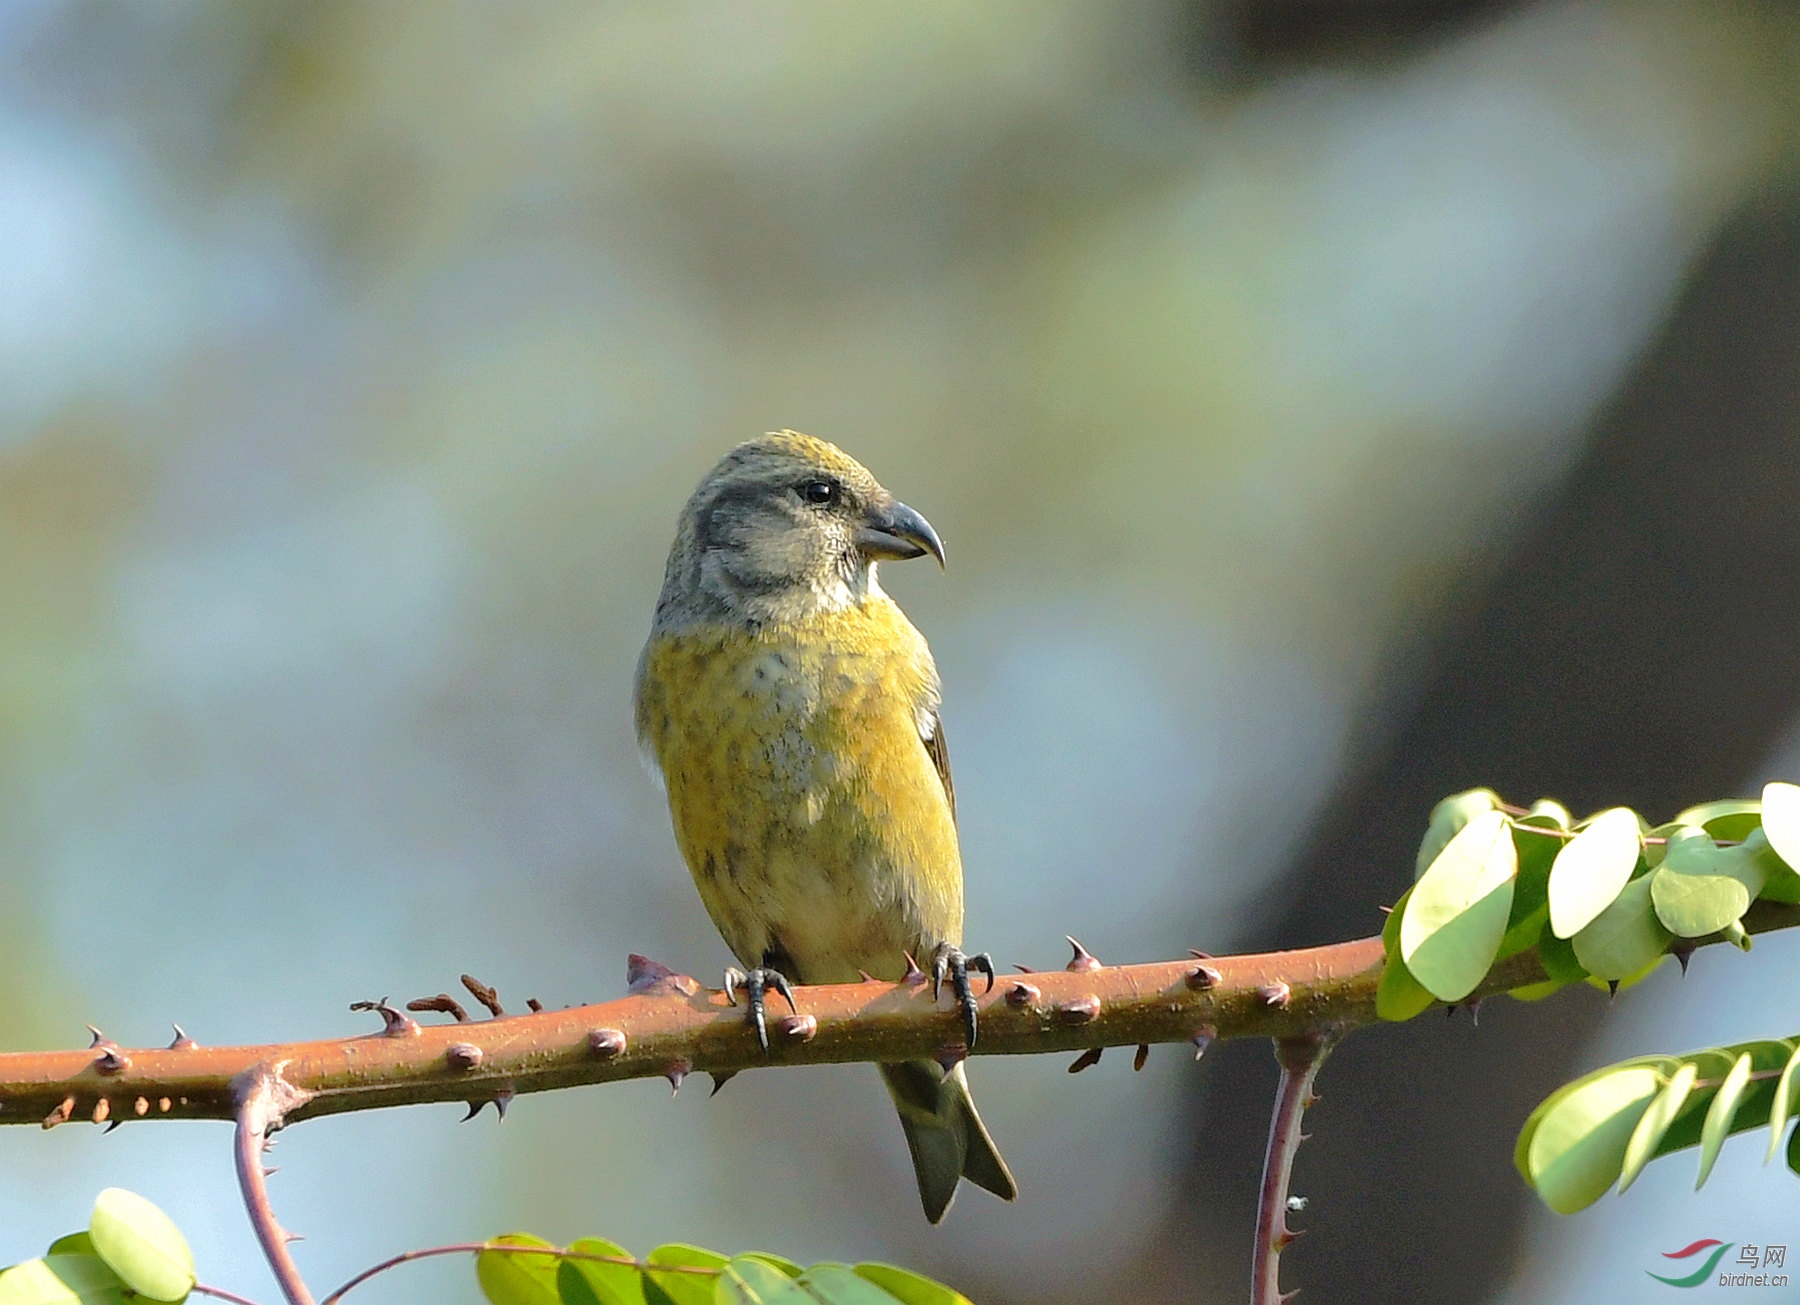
[(940, 757)]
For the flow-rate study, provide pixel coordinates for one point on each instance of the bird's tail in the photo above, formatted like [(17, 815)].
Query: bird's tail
[(947, 1139)]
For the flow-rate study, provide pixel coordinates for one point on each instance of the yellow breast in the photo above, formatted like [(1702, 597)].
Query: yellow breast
[(803, 797)]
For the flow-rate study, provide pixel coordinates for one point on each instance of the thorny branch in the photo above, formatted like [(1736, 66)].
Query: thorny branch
[(1300, 1059), (670, 1026)]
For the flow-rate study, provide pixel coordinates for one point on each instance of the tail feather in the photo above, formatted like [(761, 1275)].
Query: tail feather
[(944, 1133)]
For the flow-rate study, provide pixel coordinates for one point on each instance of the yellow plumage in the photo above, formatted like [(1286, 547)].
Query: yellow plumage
[(791, 709)]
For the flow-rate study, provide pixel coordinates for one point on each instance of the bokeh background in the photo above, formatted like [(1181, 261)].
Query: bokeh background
[(1327, 407)]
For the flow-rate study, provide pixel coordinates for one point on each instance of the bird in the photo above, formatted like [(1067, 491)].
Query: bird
[(792, 713)]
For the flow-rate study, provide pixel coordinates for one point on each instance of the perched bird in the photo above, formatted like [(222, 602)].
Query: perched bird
[(792, 712)]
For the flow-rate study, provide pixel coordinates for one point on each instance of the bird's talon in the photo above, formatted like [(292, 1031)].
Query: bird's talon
[(756, 984), (950, 961)]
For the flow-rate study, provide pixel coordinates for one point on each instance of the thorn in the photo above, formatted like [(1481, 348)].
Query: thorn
[(867, 977), (1080, 1010), (1287, 1237), (1287, 1296), (1143, 1054), (111, 1060), (484, 994), (534, 1005), (1089, 1057), (141, 1106), (1082, 961), (442, 1002), (914, 976), (475, 1108), (287, 1236), (114, 1124), (1310, 1100), (99, 1037), (1023, 994), (503, 1099), (676, 1072), (1023, 969), (606, 1043), (1387, 910), (164, 1104), (1682, 956), (463, 1055), (1202, 977), (803, 1027), (182, 1041), (643, 975), (393, 1023), (1305, 1137), (1612, 989), (1203, 1038), (1450, 1011), (1277, 993), (950, 1055), (61, 1114), (269, 1171), (1475, 1012), (720, 1078), (1200, 955), (102, 1108)]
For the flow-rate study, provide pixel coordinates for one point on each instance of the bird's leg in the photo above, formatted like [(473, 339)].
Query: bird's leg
[(755, 983), (949, 960)]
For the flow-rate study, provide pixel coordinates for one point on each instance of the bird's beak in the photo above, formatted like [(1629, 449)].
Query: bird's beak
[(894, 532)]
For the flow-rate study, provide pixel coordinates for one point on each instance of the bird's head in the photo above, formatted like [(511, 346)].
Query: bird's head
[(784, 526)]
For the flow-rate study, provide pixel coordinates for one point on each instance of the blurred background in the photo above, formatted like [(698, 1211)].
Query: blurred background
[(1327, 407)]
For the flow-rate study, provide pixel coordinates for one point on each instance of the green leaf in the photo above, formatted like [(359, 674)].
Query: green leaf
[(1623, 938), (1399, 996), (1783, 1104), (1780, 881), (1530, 904), (1458, 910), (142, 1245), (518, 1279), (837, 1284), (1655, 1122), (1793, 1151), (786, 1265), (62, 1280), (1781, 821), (1447, 820), (1730, 819), (1719, 1115), (1592, 869), (1558, 957), (594, 1282), (1577, 1147), (1536, 991), (1547, 813), (683, 1288), (909, 1288), (748, 1280), (75, 1243), (1700, 888)]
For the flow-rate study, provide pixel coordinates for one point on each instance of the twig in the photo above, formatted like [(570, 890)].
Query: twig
[(672, 1021), (476, 1248), (263, 1098), (219, 1293), (1300, 1059)]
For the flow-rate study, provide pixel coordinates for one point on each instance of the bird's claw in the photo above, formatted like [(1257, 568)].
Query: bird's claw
[(755, 983), (949, 961)]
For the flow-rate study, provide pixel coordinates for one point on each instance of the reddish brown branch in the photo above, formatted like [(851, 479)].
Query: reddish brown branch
[(262, 1098), (1300, 1059), (672, 1026)]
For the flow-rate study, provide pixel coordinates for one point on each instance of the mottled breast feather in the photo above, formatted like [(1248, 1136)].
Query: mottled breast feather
[(807, 799)]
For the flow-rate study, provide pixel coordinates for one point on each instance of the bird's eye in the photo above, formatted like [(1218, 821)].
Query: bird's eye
[(819, 491)]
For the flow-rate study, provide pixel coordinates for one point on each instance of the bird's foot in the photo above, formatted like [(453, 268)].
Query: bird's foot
[(949, 961), (755, 983)]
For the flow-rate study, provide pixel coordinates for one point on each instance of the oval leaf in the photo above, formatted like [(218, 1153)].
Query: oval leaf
[(142, 1245), (1458, 910), (909, 1288), (837, 1284), (1447, 820), (1576, 1150), (748, 1280), (1781, 821), (1399, 996), (1700, 888), (1731, 819), (595, 1282), (1650, 1129), (1625, 937), (1590, 871), (1783, 1104), (62, 1280), (75, 1243), (518, 1279), (1719, 1115), (684, 1288)]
